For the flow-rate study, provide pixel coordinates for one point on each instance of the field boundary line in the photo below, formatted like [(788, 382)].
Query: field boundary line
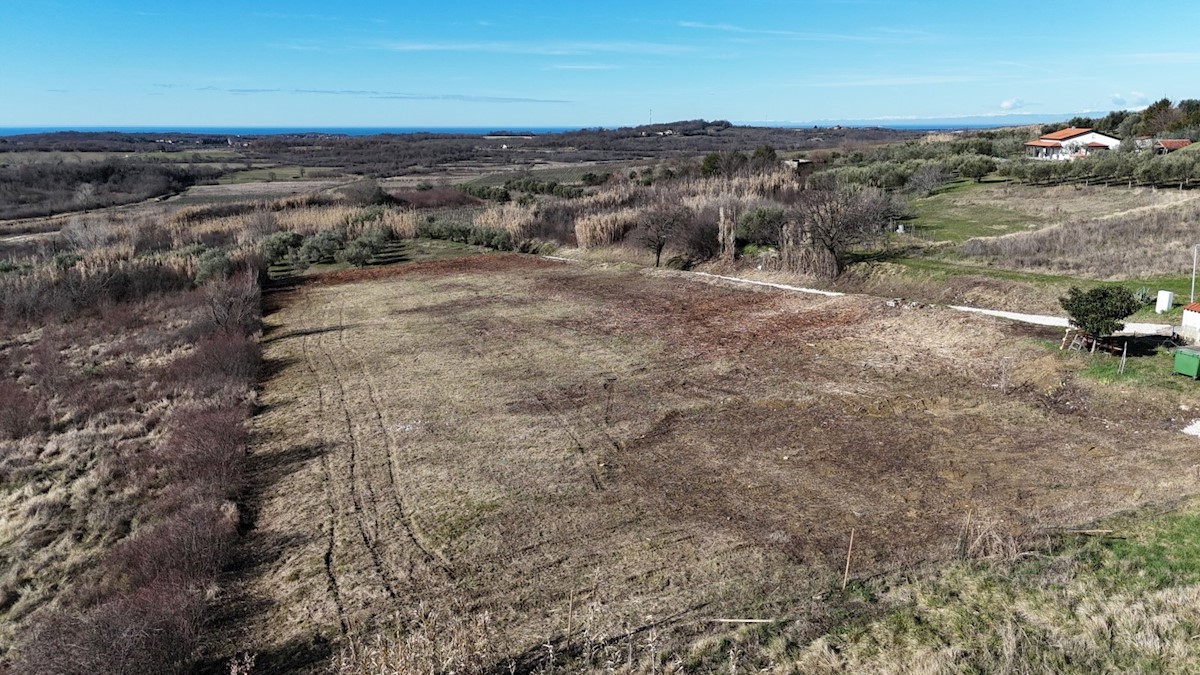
[(1133, 328)]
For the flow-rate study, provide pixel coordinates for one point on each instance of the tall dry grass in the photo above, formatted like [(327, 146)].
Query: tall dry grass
[(518, 220), (607, 228)]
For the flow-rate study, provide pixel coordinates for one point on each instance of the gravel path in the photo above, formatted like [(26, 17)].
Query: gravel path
[(1131, 328)]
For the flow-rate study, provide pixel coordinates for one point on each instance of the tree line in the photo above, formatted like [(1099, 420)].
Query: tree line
[(41, 189)]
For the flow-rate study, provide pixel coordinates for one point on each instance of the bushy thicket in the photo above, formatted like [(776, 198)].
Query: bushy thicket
[(40, 189), (547, 187), (357, 239), (474, 235), (138, 385), (492, 193)]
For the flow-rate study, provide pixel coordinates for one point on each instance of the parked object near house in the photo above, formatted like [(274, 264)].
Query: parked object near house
[(1187, 362), (1071, 143), (1166, 300)]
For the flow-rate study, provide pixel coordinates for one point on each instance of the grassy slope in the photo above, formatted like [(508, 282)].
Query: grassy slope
[(950, 215), (964, 209), (1124, 601)]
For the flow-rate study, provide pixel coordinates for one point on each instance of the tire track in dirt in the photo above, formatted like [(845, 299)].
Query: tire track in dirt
[(358, 512), (327, 485), (408, 528), (545, 398)]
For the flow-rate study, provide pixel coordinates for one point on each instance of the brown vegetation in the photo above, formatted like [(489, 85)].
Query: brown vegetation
[(1140, 244), (126, 389), (528, 466)]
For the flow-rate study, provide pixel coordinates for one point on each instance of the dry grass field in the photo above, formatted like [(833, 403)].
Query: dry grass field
[(505, 464)]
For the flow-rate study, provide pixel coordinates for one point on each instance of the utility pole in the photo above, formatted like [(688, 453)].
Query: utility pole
[(1195, 248)]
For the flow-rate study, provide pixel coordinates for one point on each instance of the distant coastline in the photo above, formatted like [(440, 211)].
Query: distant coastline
[(280, 131), (946, 124)]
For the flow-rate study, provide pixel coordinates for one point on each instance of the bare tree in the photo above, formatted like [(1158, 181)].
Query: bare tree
[(926, 179), (825, 226), (660, 226)]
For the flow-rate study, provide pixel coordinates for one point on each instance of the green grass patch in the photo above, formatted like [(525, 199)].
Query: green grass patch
[(945, 217), (1146, 366), (271, 173), (1153, 554), (566, 175)]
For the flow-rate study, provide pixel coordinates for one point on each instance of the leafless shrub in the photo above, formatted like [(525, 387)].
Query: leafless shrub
[(186, 550), (233, 304), (148, 631), (258, 225), (208, 446), (150, 235), (216, 361), (47, 368), (91, 232), (825, 226), (20, 412)]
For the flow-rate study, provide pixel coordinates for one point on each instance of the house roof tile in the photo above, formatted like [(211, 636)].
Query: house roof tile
[(1065, 134), (1174, 143), (1194, 307), (1043, 143)]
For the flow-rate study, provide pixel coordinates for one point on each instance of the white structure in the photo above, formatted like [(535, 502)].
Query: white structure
[(1166, 300), (1071, 143), (1190, 327)]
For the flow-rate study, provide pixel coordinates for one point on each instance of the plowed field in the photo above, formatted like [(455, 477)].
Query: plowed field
[(504, 461)]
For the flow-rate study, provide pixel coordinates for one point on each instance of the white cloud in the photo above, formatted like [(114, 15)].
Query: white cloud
[(539, 48), (885, 35), (1012, 104)]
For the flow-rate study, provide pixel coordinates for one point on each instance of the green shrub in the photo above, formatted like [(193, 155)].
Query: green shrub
[(275, 247), (322, 246), (213, 264), (66, 260), (1098, 312), (357, 253), (760, 226)]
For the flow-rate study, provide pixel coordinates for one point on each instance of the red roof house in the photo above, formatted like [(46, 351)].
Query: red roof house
[(1071, 143)]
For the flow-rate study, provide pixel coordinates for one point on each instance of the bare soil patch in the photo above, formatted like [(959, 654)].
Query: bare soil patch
[(499, 453)]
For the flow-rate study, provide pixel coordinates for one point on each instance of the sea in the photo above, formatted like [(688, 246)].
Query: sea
[(931, 124), (277, 131)]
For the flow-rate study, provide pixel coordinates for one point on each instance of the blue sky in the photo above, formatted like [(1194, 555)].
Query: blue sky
[(466, 63)]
